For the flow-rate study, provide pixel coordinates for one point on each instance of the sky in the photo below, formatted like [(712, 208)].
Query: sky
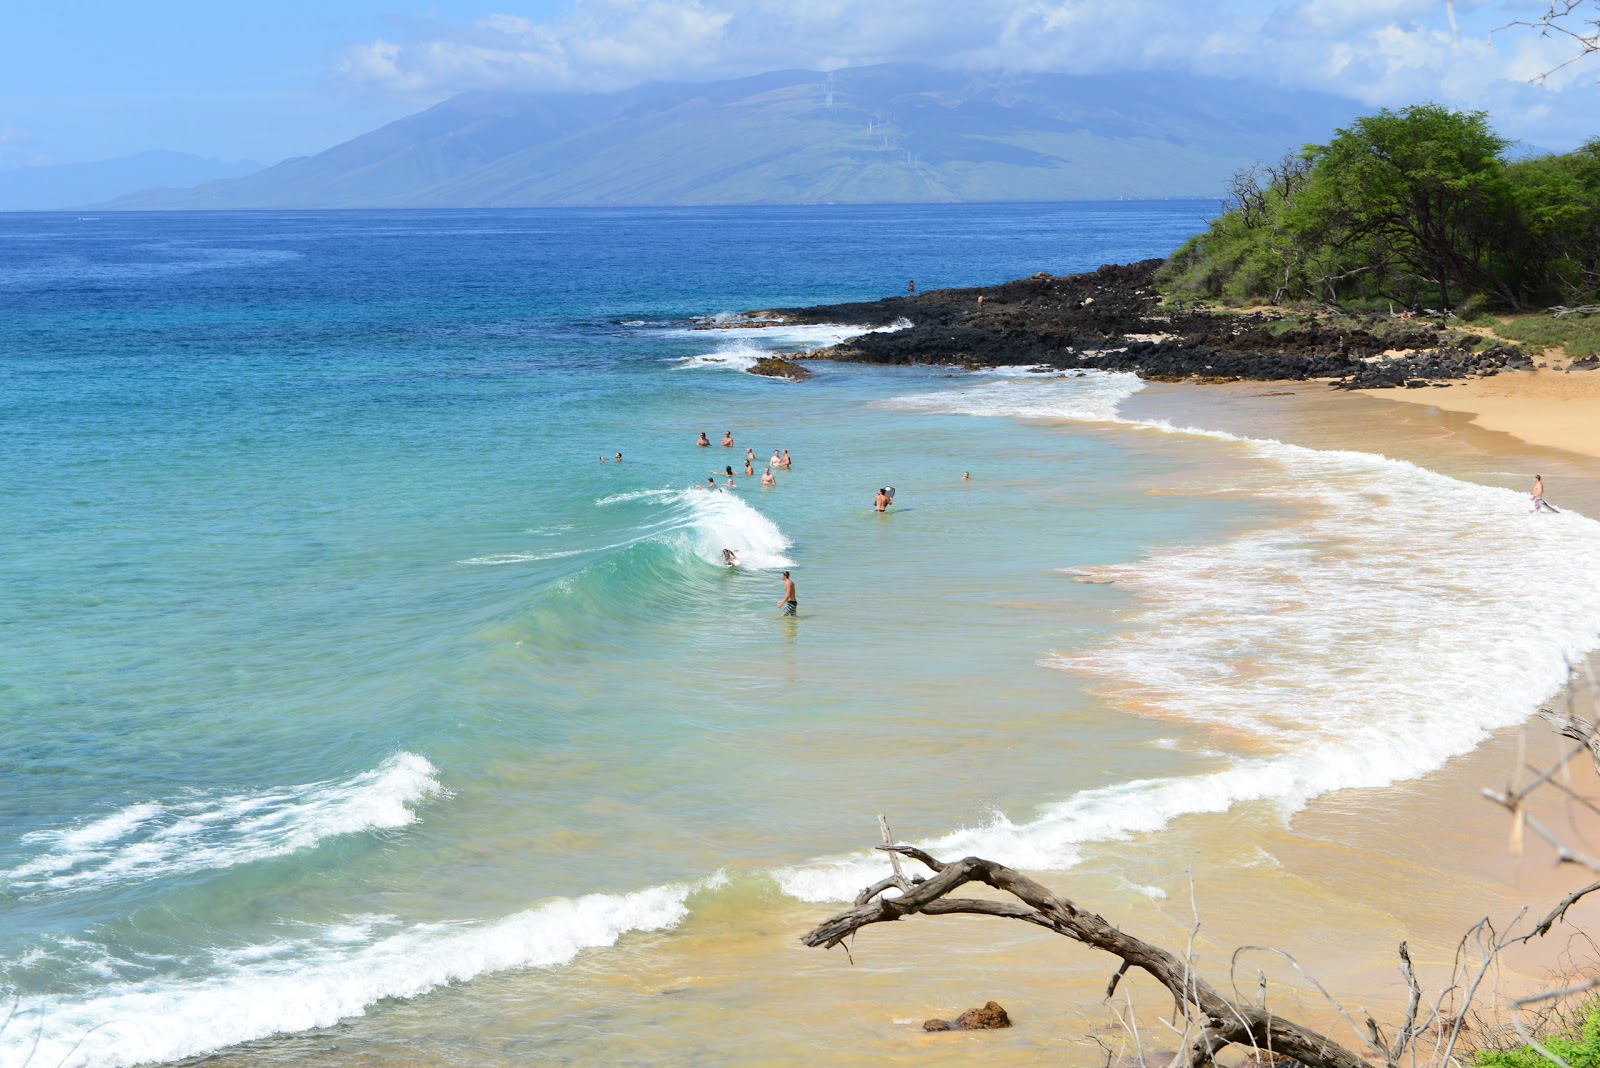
[(246, 79)]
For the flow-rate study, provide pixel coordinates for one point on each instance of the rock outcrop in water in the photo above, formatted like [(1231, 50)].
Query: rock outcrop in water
[(778, 367), (989, 1018), (1114, 319)]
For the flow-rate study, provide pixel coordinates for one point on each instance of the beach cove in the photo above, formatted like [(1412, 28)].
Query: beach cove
[(453, 743)]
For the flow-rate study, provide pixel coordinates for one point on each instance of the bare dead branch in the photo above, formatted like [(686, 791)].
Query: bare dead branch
[(1542, 928), (1220, 1021), (1562, 19)]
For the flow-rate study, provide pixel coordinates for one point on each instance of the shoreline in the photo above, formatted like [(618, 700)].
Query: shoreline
[(1439, 833), (1420, 860)]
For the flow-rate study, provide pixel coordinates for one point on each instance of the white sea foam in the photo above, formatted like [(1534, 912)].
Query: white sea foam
[(638, 495), (1390, 627), (153, 839), (739, 350), (724, 521), (302, 983), (701, 521), (733, 357), (1091, 396)]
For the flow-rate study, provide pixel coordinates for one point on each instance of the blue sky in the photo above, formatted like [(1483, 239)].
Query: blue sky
[(246, 79)]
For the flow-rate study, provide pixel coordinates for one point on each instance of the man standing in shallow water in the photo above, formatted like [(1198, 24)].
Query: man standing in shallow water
[(788, 603)]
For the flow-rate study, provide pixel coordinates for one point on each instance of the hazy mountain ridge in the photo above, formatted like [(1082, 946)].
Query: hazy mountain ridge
[(67, 186), (884, 133)]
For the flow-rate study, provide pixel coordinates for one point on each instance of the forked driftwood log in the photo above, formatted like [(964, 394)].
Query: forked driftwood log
[(1216, 1021)]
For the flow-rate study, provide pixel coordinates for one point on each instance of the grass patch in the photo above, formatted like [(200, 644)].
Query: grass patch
[(1578, 334), (1575, 1040)]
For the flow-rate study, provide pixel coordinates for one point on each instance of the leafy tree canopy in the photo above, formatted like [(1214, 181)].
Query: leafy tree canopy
[(1417, 206)]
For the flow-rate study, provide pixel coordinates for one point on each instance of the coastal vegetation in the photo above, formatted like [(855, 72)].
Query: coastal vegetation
[(1425, 207)]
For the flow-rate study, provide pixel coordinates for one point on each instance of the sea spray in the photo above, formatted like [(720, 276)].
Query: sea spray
[(739, 349)]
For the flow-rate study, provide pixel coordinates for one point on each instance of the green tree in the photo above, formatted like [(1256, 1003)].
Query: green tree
[(1425, 187)]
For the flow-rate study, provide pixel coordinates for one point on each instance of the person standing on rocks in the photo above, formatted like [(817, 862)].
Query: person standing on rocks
[(911, 288)]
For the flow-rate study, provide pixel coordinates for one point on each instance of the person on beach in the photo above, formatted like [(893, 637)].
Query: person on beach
[(730, 558), (767, 479), (727, 440), (1539, 503), (749, 468), (787, 602), (704, 441)]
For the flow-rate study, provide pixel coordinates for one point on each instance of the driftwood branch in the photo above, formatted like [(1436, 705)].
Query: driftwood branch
[(1219, 1021)]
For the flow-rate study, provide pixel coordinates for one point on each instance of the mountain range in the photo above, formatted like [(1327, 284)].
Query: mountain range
[(56, 186), (891, 132)]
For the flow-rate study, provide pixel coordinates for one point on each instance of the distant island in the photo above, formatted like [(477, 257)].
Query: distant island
[(892, 133)]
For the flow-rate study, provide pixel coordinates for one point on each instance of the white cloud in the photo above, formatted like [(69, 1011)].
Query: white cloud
[(1381, 52)]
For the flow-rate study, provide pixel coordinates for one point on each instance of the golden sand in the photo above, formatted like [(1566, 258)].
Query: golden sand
[(1553, 407)]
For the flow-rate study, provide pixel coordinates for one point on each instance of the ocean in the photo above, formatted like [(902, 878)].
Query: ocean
[(356, 713)]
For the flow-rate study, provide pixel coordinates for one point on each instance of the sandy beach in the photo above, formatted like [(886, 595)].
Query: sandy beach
[(1552, 407), (1431, 856)]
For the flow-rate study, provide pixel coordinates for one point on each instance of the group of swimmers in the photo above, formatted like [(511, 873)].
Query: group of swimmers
[(788, 604), (780, 458)]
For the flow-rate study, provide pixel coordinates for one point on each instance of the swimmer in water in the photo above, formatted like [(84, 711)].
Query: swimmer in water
[(777, 459), (882, 501), (619, 457), (730, 558), (750, 454), (966, 476), (704, 441), (767, 479), (786, 460), (727, 440), (788, 602), (749, 469), (711, 483)]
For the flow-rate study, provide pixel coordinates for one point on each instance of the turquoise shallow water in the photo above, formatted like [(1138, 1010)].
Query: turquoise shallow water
[(336, 668)]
